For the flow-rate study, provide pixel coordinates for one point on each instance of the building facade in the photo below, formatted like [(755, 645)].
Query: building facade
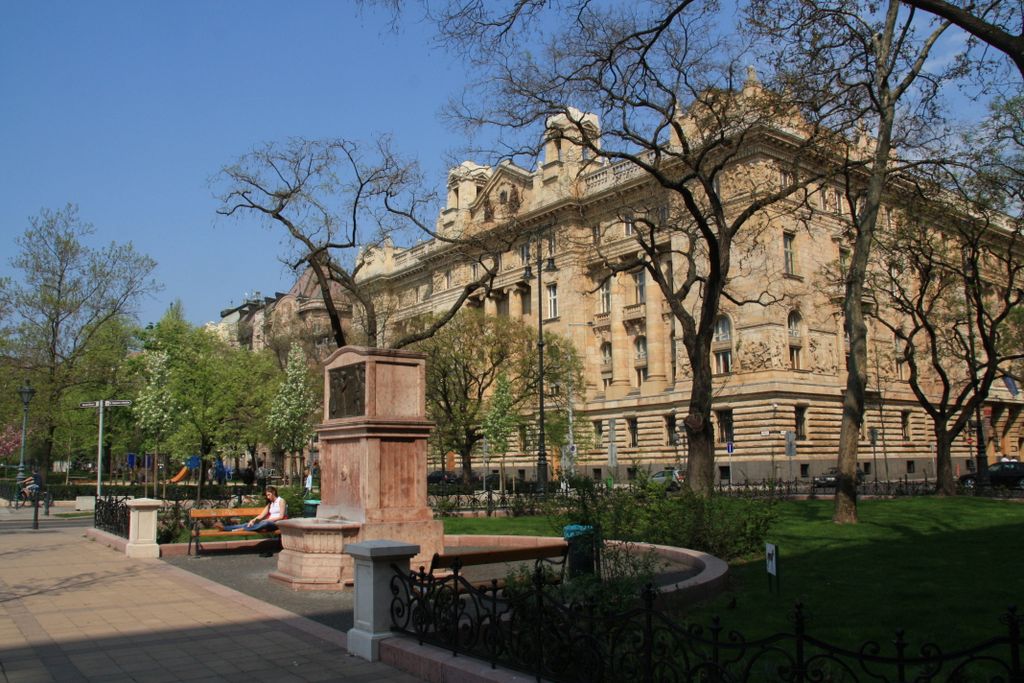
[(779, 363)]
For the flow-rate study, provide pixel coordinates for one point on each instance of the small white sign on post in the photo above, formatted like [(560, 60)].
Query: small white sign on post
[(771, 556)]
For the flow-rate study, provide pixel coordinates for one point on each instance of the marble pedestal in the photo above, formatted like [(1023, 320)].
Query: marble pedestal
[(373, 467)]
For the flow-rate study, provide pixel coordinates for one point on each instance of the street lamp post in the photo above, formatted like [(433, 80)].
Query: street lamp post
[(26, 392), (542, 455), (982, 455)]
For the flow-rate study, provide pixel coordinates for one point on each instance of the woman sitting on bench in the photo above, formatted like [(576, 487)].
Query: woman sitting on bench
[(276, 510)]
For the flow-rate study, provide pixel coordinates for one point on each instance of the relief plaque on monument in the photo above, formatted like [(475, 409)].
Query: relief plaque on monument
[(347, 391)]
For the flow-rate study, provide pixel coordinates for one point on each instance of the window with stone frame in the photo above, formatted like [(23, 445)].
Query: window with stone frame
[(800, 422), (671, 430), (723, 329), (606, 354), (905, 425), (628, 224), (599, 430), (524, 254), (725, 426), (723, 362), (640, 286), (526, 301), (722, 346), (552, 301), (641, 348), (605, 298), (794, 327), (789, 253), (634, 432)]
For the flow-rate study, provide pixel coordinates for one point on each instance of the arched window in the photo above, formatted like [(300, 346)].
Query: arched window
[(641, 348), (606, 353), (793, 323), (723, 346), (723, 329)]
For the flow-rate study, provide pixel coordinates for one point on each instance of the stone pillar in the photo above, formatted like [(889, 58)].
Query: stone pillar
[(142, 528), (622, 354), (657, 340), (372, 604)]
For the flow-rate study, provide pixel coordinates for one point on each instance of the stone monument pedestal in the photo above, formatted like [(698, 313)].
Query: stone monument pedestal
[(373, 465)]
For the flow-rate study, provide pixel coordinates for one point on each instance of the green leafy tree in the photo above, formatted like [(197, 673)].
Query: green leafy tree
[(202, 383), (464, 361), (65, 297), (155, 409), (247, 426), (500, 420), (291, 414)]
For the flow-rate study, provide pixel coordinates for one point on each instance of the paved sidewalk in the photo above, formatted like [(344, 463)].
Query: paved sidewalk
[(74, 610)]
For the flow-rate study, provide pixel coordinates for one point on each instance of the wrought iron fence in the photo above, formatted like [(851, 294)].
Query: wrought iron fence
[(532, 503), (530, 629), (9, 490), (514, 503), (111, 515)]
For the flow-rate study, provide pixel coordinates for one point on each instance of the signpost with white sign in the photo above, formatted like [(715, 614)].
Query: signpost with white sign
[(771, 556), (108, 403)]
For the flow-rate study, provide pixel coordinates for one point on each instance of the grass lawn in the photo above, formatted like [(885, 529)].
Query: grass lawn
[(507, 526), (942, 569)]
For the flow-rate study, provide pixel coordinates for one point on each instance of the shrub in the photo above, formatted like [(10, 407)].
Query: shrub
[(723, 525)]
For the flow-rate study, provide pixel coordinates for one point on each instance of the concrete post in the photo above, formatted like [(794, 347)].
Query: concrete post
[(372, 616), (142, 528)]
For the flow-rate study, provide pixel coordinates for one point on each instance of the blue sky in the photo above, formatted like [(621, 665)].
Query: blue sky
[(130, 108)]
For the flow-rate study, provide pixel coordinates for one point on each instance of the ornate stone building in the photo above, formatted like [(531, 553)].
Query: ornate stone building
[(779, 365)]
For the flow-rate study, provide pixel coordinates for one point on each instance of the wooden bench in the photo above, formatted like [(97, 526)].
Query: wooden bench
[(554, 553), (197, 515)]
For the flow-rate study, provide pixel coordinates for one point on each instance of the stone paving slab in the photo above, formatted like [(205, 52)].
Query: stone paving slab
[(74, 610)]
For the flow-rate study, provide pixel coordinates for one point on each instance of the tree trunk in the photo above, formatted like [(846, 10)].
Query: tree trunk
[(845, 511), (700, 465), (945, 485)]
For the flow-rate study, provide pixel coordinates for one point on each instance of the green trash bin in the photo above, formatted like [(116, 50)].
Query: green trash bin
[(309, 508)]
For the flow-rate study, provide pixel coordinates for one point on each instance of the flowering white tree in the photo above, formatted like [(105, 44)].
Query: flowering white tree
[(291, 413), (155, 408)]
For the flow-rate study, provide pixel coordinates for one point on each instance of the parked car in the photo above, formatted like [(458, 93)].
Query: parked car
[(830, 478), (442, 477), (672, 479), (1006, 474)]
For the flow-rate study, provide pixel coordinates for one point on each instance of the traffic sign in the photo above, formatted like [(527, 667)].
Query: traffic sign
[(89, 404), (118, 402)]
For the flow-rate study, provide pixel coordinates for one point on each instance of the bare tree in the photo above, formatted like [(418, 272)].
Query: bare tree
[(874, 62), (653, 91), (950, 295), (998, 23), (341, 207)]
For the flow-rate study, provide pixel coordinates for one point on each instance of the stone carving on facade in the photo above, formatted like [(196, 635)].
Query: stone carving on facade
[(760, 354), (823, 355)]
